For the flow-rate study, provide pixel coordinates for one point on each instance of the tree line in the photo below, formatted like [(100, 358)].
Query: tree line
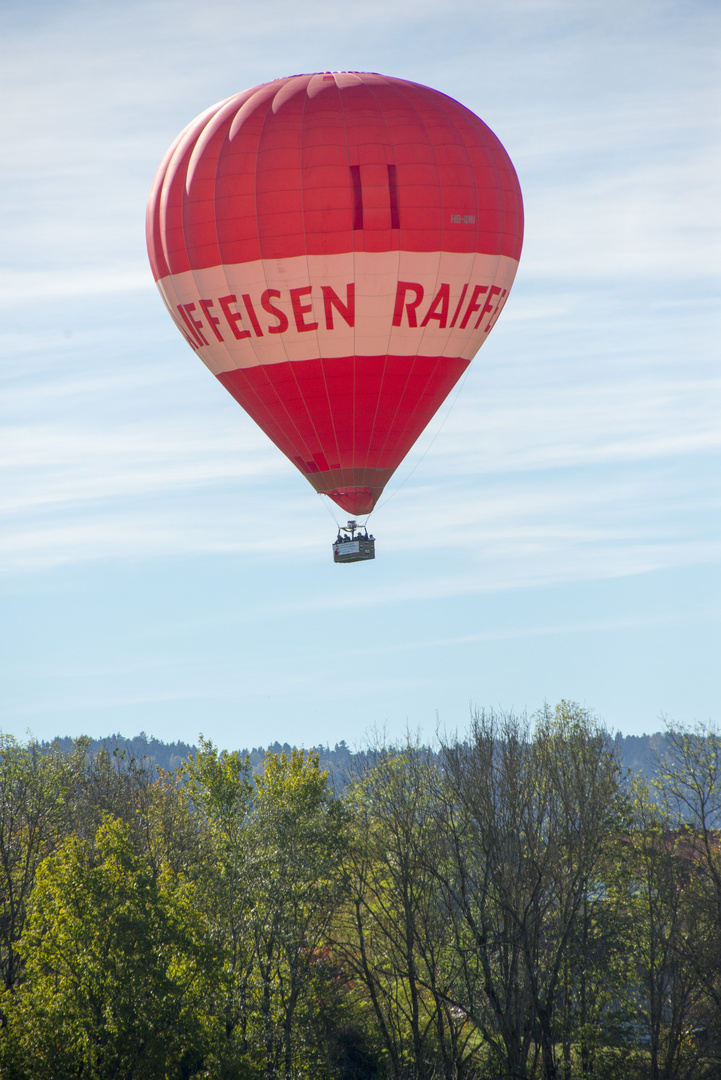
[(510, 905), (635, 752)]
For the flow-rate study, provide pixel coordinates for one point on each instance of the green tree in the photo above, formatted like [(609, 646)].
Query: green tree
[(118, 785), (293, 857), (595, 1010), (579, 959), (206, 824), (119, 972), (394, 935), (37, 793), (525, 821), (662, 985), (689, 778), (269, 882)]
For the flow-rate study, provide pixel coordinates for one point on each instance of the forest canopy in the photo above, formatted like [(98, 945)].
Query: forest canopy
[(512, 903)]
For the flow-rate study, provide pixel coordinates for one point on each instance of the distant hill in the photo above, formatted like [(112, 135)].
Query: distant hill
[(170, 756), (636, 752), (639, 752)]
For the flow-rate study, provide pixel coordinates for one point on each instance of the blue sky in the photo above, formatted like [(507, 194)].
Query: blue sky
[(553, 535)]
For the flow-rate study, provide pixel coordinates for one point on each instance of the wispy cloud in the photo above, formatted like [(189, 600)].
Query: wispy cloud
[(582, 448), (507, 429), (521, 632), (64, 466), (28, 284), (616, 174)]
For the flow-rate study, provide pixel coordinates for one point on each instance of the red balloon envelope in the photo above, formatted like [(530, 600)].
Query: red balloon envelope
[(336, 248)]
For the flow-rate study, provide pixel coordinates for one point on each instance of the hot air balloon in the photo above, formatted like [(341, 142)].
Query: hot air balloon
[(336, 248)]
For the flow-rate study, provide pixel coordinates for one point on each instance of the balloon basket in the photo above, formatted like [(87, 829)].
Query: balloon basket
[(353, 544)]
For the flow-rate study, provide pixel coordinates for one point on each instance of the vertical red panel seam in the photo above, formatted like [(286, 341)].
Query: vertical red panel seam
[(504, 214), (268, 109), (504, 200), (432, 102), (307, 267), (251, 340), (442, 193), (180, 174), (489, 151), (305, 240), (166, 192), (369, 87), (413, 106), (204, 117), (154, 218), (186, 202), (301, 440), (353, 250)]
